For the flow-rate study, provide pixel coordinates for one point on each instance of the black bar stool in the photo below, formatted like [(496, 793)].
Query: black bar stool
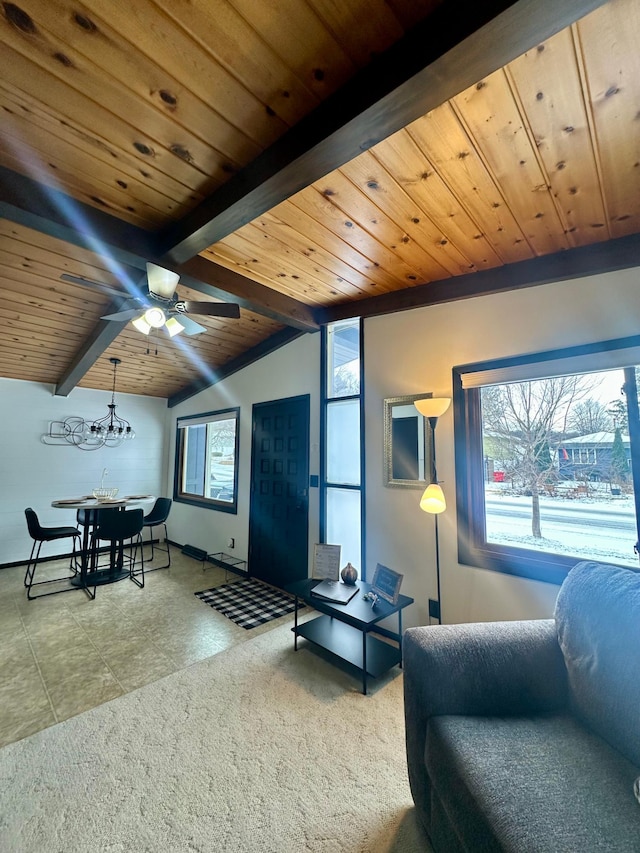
[(85, 518), (40, 535), (117, 527), (158, 516)]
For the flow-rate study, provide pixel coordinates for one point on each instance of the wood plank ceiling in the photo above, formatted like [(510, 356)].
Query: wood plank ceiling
[(309, 160)]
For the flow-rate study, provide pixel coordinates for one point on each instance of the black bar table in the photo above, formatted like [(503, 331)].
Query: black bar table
[(107, 574)]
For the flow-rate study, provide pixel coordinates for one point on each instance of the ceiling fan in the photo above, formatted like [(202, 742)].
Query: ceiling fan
[(159, 306)]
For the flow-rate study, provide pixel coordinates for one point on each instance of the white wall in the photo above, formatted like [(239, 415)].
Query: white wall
[(413, 352), (406, 353), (291, 371), (34, 474)]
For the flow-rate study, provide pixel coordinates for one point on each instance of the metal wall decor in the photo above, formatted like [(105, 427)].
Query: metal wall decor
[(108, 431)]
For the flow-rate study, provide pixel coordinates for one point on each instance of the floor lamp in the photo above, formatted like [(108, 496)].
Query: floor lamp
[(433, 500)]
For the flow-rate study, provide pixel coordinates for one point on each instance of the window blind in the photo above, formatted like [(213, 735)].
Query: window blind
[(591, 358), (199, 420)]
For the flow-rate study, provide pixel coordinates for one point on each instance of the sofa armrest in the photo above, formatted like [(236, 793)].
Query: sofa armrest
[(479, 669), (485, 668)]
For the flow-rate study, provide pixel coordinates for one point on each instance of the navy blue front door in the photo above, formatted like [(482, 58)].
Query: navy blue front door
[(279, 511)]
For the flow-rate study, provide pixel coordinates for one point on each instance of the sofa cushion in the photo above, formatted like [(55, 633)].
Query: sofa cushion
[(540, 784), (598, 623)]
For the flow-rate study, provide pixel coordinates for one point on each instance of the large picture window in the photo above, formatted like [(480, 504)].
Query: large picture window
[(207, 460), (546, 450)]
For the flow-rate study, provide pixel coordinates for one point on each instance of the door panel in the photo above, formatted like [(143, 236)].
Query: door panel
[(279, 511)]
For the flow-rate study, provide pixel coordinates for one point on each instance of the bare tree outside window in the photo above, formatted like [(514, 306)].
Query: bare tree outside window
[(526, 421), (222, 437), (589, 417), (345, 382)]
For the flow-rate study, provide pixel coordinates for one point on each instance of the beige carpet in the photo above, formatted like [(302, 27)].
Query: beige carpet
[(257, 749)]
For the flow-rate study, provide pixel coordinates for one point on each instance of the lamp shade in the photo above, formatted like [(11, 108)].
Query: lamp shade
[(141, 325), (162, 282), (433, 500), (432, 407), (173, 326)]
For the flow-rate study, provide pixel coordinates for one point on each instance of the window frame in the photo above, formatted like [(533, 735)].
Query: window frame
[(326, 400), (205, 418), (473, 549)]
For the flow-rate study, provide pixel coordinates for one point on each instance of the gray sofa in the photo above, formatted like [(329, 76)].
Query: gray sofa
[(525, 736)]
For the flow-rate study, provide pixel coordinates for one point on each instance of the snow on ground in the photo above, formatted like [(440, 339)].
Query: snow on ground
[(600, 527)]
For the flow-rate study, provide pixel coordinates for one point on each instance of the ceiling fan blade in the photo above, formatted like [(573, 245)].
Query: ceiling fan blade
[(210, 309), (124, 316), (162, 282), (190, 326), (95, 285)]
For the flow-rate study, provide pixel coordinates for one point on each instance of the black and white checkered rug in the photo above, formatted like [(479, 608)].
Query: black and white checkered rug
[(248, 602)]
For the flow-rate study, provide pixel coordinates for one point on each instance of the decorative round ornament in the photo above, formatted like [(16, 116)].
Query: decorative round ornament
[(349, 575)]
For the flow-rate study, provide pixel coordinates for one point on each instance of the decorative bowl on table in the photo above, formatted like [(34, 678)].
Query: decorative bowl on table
[(105, 494)]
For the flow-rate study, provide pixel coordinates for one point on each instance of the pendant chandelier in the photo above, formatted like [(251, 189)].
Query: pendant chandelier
[(109, 431)]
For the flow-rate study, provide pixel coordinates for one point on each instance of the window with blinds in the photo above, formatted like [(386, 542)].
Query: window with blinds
[(207, 460), (547, 446)]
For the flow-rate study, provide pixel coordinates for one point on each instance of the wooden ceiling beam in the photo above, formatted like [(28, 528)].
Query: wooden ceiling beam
[(217, 281), (125, 249), (100, 339), (457, 45), (595, 259)]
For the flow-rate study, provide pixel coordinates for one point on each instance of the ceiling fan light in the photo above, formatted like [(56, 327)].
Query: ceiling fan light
[(173, 326), (155, 317), (161, 281), (141, 325)]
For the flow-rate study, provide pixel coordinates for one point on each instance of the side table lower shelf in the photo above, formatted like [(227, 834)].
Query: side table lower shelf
[(347, 643)]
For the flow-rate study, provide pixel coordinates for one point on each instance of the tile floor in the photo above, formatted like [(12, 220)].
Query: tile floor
[(64, 654)]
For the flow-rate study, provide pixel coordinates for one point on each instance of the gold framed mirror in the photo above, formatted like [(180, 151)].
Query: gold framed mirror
[(407, 443)]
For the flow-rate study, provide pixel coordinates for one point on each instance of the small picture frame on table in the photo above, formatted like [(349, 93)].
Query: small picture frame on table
[(386, 583)]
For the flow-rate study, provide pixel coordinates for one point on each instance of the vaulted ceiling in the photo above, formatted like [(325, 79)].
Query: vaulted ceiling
[(305, 159)]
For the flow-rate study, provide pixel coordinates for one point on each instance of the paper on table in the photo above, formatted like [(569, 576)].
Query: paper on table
[(326, 562)]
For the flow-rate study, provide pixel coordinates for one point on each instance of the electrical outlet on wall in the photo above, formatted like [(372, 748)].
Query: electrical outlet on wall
[(231, 543)]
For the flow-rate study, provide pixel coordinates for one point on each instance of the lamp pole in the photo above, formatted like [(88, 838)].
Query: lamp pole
[(433, 500), (436, 610)]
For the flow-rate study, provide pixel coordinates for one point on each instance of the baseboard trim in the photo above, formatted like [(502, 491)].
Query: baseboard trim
[(54, 557)]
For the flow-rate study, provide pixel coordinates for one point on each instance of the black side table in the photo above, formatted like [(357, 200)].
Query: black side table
[(345, 629)]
